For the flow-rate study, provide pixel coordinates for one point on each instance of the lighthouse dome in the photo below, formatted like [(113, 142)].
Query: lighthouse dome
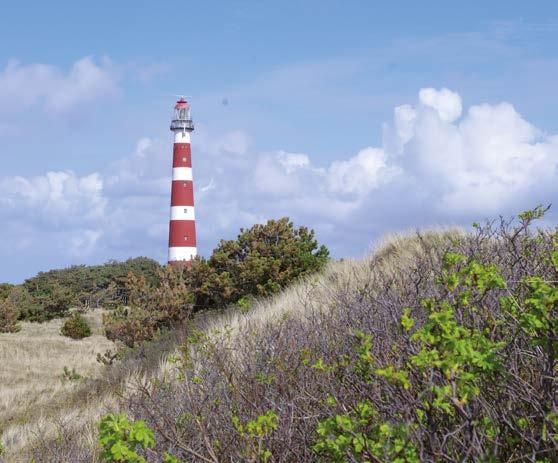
[(182, 104)]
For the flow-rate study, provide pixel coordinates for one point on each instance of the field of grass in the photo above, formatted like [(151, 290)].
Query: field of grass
[(42, 412), (33, 392)]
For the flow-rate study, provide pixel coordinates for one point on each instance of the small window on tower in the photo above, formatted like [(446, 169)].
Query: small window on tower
[(185, 238), (185, 211)]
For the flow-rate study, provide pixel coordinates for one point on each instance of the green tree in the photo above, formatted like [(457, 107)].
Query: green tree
[(56, 303), (260, 262)]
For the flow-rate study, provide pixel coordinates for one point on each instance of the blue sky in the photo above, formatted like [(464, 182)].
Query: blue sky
[(354, 118)]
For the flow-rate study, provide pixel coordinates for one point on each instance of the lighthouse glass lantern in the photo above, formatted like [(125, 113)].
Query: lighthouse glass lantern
[(181, 118)]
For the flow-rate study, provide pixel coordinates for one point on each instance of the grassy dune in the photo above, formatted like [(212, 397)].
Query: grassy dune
[(36, 404), (243, 365), (301, 357), (51, 408)]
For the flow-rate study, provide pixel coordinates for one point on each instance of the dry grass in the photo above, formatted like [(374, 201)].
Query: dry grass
[(392, 254), (33, 392), (42, 413)]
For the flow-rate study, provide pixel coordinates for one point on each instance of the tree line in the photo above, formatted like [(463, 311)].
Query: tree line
[(144, 297)]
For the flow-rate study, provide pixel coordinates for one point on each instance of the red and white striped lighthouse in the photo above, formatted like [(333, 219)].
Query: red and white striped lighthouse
[(182, 229)]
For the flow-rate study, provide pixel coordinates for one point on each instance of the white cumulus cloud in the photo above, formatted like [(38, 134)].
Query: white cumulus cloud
[(360, 174), (488, 160), (56, 197), (446, 103), (50, 88)]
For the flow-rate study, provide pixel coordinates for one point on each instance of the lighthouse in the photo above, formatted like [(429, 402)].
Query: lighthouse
[(182, 227)]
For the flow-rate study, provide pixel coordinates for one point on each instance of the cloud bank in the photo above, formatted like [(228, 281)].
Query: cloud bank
[(54, 90), (438, 164)]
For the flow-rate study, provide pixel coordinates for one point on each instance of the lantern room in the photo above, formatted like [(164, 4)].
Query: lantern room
[(181, 118)]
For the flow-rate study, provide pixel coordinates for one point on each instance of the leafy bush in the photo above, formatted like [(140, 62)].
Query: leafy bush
[(76, 327), (119, 438)]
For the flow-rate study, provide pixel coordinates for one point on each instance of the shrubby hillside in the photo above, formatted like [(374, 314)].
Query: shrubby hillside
[(440, 346), (50, 295), (260, 262)]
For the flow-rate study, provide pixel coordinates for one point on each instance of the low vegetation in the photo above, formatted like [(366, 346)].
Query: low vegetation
[(50, 295), (53, 389), (76, 327), (259, 263), (438, 347)]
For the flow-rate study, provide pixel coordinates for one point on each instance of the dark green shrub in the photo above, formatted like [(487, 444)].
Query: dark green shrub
[(262, 260), (56, 303), (52, 293), (76, 327)]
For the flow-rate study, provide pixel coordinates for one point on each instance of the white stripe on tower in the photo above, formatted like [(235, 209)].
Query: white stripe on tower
[(182, 173), (182, 228), (182, 213)]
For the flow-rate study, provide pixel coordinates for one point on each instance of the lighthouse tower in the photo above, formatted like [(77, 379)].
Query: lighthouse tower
[(182, 229)]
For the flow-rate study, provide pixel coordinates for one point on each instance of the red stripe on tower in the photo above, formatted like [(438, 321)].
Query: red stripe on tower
[(182, 229)]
